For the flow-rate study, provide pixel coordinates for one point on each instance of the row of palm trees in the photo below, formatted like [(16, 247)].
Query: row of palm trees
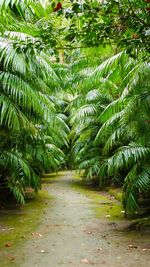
[(103, 98), (32, 129), (111, 127)]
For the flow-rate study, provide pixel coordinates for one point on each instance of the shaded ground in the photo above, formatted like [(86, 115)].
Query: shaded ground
[(69, 233)]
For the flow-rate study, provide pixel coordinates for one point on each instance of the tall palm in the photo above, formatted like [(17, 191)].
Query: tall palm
[(111, 137), (32, 130), (127, 142), (98, 90)]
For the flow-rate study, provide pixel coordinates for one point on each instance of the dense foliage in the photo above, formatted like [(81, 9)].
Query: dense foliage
[(75, 92), (125, 23), (110, 126), (32, 129)]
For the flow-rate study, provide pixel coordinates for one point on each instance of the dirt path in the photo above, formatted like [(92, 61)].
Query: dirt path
[(70, 235)]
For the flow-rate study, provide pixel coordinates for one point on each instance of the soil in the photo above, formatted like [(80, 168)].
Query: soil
[(71, 235)]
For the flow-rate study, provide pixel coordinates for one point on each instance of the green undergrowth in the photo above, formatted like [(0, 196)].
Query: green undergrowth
[(104, 203), (19, 223)]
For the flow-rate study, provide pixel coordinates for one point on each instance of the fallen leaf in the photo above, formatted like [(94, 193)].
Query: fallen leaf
[(146, 248), (8, 245), (89, 233), (86, 261), (132, 246), (122, 211), (12, 258), (36, 234), (99, 249)]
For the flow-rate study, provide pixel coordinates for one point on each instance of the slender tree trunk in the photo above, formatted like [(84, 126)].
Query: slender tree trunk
[(61, 56)]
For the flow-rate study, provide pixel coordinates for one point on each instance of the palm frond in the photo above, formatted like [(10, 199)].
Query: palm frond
[(107, 128), (136, 182), (127, 156), (84, 112)]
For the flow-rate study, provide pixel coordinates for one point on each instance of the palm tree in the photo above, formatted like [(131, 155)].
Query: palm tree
[(99, 91), (32, 129), (127, 146), (111, 128)]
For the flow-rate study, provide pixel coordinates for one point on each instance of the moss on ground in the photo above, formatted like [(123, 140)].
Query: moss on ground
[(104, 204), (116, 192), (19, 223)]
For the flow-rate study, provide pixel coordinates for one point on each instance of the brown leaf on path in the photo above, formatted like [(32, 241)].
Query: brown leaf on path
[(132, 246), (12, 258), (146, 248), (86, 261), (36, 234), (8, 245), (89, 233)]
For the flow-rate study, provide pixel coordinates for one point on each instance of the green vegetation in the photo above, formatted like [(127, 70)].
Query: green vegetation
[(32, 129), (75, 93), (110, 128)]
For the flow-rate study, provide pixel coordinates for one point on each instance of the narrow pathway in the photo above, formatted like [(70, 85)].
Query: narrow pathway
[(70, 235)]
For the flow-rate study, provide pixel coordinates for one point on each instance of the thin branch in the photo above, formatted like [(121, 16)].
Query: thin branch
[(134, 14)]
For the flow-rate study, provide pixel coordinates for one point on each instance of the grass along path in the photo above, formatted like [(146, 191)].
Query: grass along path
[(79, 227)]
